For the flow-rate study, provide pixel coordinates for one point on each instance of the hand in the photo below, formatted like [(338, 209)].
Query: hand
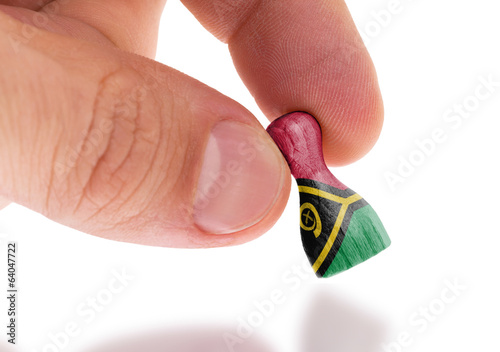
[(96, 136)]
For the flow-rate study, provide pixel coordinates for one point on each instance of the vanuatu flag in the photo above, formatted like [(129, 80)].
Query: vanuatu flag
[(339, 228)]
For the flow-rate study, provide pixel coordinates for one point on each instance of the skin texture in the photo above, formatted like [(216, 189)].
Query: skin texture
[(71, 68), (319, 65)]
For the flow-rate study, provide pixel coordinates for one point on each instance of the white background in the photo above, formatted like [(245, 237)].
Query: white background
[(430, 56)]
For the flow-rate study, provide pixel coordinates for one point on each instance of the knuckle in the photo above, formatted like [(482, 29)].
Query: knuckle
[(118, 150), (131, 157)]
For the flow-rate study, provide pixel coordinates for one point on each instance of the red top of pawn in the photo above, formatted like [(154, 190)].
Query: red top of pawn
[(298, 136)]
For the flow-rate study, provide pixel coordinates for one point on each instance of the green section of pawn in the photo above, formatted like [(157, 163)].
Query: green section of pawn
[(365, 237)]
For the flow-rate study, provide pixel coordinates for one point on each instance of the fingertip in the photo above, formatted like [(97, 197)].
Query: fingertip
[(348, 106), (310, 57), (207, 240), (350, 130), (303, 56), (241, 179)]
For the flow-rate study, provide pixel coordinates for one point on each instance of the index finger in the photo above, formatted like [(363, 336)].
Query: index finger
[(303, 55)]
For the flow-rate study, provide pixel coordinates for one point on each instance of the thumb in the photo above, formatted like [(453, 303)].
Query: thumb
[(3, 203), (122, 147)]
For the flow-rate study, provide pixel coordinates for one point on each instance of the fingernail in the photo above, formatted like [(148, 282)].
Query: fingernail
[(241, 178)]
